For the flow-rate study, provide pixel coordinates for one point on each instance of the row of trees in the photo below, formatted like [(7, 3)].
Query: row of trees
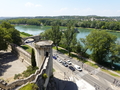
[(101, 43), (111, 25), (8, 34)]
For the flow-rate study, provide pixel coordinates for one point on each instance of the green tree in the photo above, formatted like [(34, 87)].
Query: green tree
[(53, 34), (100, 43), (114, 54), (13, 34), (70, 37), (56, 35), (33, 61), (5, 38)]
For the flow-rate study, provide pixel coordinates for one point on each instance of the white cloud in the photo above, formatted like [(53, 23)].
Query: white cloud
[(29, 4)]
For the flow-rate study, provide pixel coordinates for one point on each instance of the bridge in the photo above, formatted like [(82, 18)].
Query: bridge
[(36, 38)]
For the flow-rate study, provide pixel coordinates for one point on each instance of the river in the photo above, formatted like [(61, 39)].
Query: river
[(36, 30)]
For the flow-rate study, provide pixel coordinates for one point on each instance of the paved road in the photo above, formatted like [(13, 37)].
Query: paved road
[(99, 82), (99, 79)]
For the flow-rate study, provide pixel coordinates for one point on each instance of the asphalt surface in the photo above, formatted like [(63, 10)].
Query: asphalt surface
[(99, 79)]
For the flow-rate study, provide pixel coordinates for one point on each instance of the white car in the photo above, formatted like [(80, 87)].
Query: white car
[(69, 62), (77, 68), (59, 60)]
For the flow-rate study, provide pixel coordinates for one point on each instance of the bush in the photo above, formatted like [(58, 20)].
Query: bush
[(30, 86), (44, 76), (17, 76), (30, 70)]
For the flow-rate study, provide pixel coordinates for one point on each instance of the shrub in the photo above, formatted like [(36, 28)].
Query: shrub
[(30, 86), (30, 70), (44, 76), (17, 76)]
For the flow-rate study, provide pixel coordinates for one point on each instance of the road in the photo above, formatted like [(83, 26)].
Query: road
[(98, 79)]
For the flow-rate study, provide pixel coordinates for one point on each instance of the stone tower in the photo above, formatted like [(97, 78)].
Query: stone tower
[(44, 49)]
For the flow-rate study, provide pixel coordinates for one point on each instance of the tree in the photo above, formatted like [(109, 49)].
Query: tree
[(15, 35), (114, 54), (70, 37), (100, 43), (12, 33), (5, 38), (56, 35), (33, 61), (53, 34)]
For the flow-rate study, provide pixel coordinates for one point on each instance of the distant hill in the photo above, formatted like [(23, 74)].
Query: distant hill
[(116, 17), (1, 18), (67, 17)]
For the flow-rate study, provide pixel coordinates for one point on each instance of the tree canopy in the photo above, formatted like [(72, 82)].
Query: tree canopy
[(53, 34), (8, 34), (101, 43)]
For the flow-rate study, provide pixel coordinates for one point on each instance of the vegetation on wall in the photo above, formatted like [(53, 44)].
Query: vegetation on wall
[(30, 86)]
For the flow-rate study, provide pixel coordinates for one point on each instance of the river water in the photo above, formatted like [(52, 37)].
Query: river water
[(36, 30)]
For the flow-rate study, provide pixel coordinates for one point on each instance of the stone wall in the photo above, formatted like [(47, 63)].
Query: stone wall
[(36, 38), (34, 78)]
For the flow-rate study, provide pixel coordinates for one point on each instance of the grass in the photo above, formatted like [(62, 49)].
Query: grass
[(53, 70), (110, 73), (30, 70), (29, 86), (27, 48), (23, 34), (117, 71), (92, 64)]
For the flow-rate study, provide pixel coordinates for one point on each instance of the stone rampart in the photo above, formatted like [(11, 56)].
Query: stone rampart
[(36, 78)]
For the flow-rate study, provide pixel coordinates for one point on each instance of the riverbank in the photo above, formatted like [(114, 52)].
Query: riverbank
[(102, 29)]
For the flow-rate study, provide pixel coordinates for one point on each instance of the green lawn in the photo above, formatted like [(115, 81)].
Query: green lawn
[(29, 86), (23, 34), (92, 64), (27, 48), (110, 73)]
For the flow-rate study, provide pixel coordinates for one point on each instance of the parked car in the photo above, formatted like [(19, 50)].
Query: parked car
[(77, 68), (55, 57), (65, 64), (59, 60), (69, 62), (72, 68)]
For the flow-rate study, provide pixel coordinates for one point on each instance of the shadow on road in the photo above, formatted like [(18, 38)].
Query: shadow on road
[(5, 58), (57, 84)]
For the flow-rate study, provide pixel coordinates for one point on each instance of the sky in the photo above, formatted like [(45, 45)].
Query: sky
[(32, 8)]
